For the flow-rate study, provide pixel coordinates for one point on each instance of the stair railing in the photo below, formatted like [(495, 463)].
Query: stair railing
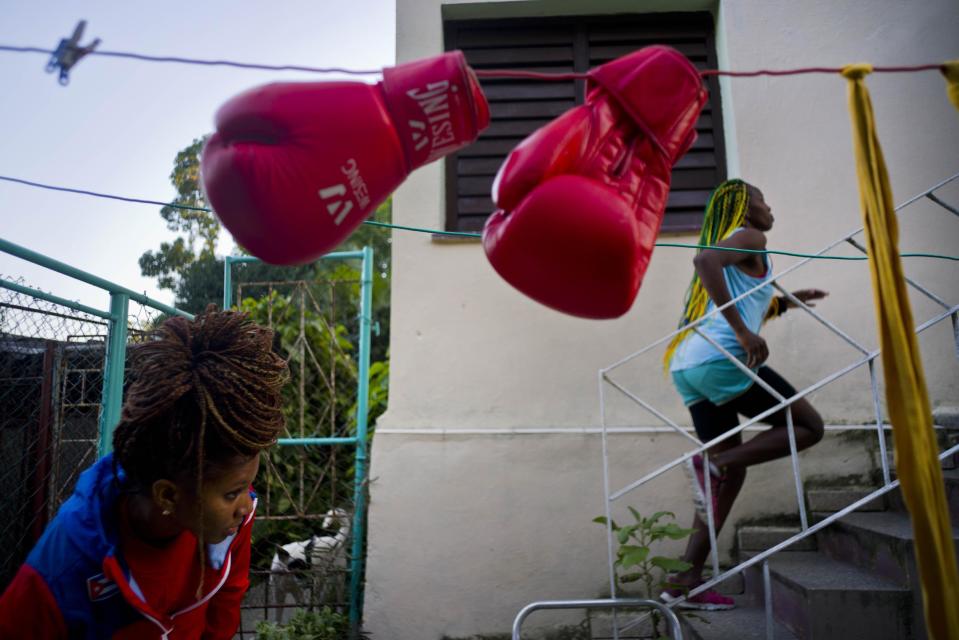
[(868, 358), (672, 620)]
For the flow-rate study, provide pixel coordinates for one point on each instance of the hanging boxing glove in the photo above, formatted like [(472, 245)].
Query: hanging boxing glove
[(293, 168), (581, 200)]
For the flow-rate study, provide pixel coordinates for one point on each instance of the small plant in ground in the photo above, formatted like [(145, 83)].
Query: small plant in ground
[(634, 559), (325, 624)]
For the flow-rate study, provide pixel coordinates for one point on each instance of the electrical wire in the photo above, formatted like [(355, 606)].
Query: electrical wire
[(805, 70), (96, 194), (482, 73), (467, 234), (210, 63)]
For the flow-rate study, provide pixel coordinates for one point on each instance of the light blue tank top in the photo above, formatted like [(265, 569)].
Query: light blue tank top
[(695, 350)]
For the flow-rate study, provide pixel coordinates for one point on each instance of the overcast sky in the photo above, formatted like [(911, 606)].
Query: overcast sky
[(119, 124)]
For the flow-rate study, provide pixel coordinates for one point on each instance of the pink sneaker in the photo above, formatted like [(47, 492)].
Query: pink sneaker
[(694, 470), (708, 600)]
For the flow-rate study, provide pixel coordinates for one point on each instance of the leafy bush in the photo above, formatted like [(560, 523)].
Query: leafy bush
[(320, 401), (324, 624), (633, 560), (635, 541)]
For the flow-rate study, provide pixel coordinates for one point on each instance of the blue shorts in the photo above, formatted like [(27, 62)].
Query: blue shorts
[(718, 381)]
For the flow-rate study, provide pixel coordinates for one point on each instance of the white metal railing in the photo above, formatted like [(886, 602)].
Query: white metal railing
[(868, 358), (668, 614)]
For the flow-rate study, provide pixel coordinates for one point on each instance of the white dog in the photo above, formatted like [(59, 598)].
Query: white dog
[(312, 568)]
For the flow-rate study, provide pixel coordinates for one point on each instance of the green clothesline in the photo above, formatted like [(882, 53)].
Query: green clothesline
[(683, 245), (463, 234)]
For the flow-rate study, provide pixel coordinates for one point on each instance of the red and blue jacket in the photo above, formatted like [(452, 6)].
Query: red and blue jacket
[(75, 583)]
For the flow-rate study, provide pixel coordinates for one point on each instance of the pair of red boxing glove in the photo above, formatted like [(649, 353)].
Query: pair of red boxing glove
[(293, 168)]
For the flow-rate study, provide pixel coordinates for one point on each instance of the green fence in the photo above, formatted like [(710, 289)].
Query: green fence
[(317, 477), (62, 371), (62, 367)]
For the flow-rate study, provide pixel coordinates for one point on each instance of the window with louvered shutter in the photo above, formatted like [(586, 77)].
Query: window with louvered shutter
[(566, 44)]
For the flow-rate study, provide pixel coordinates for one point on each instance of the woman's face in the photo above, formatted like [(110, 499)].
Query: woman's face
[(759, 214), (225, 497)]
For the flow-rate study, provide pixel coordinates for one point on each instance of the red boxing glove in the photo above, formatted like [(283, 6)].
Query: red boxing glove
[(581, 200), (293, 168)]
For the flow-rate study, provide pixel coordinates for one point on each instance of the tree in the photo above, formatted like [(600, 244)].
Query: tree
[(189, 268), (169, 263)]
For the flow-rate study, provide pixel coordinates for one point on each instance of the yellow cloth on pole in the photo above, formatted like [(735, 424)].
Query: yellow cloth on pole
[(951, 71), (917, 461)]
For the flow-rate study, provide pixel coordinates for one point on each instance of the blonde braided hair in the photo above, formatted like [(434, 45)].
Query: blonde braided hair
[(725, 212)]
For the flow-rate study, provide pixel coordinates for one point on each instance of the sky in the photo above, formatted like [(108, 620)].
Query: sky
[(118, 125)]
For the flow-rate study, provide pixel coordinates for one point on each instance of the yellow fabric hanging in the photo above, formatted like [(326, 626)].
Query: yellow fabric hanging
[(951, 71), (917, 461)]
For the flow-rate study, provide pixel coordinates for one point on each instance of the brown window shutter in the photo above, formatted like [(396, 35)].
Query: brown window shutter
[(519, 107)]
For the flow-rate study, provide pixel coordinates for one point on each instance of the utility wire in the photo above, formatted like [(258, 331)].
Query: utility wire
[(96, 194), (482, 73), (195, 61), (467, 234)]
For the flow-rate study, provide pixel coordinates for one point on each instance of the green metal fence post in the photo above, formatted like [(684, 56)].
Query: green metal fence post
[(362, 409), (227, 282), (61, 267), (113, 371), (362, 413)]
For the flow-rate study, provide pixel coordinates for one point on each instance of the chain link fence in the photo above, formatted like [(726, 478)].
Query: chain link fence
[(303, 538), (57, 390), (51, 390)]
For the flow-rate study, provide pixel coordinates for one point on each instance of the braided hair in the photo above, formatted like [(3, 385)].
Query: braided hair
[(204, 392), (725, 212)]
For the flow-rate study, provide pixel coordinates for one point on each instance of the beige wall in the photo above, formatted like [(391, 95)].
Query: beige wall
[(469, 520)]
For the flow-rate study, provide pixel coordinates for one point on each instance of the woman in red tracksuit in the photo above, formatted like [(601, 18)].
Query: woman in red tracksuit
[(155, 540)]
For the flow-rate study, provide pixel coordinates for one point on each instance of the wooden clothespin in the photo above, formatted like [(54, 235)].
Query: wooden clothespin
[(69, 52)]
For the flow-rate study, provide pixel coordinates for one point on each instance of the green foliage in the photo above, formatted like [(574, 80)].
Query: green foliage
[(633, 561), (196, 226), (635, 542), (188, 267), (324, 624), (165, 264), (195, 223), (321, 357), (320, 401), (294, 480), (379, 388)]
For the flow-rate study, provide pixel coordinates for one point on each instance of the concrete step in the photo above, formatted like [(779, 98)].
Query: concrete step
[(633, 624), (815, 596), (832, 499), (951, 479), (950, 462), (948, 435), (946, 421), (882, 543), (741, 623), (947, 417), (601, 620), (946, 464), (762, 537), (732, 586)]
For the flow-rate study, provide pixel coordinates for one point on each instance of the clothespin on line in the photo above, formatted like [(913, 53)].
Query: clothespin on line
[(69, 52)]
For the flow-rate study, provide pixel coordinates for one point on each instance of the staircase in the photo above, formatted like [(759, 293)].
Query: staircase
[(845, 577), (857, 578)]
